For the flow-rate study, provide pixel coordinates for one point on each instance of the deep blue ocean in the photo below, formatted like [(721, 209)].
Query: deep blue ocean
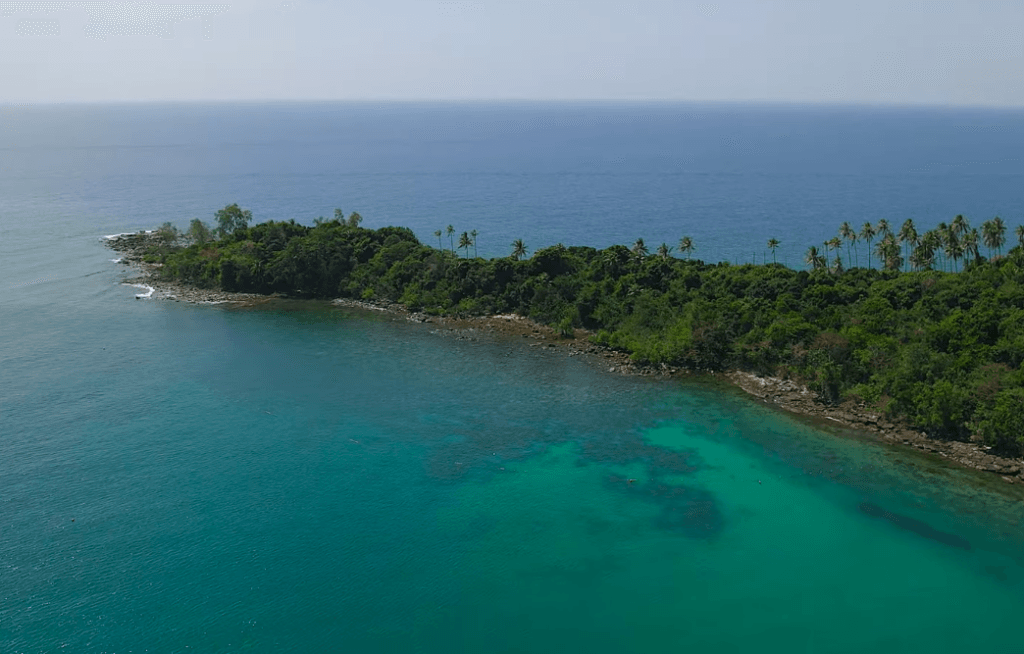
[(300, 478)]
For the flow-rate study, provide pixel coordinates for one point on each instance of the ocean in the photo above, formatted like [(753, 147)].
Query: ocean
[(302, 477)]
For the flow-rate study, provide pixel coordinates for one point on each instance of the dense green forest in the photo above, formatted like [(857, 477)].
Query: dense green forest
[(938, 349)]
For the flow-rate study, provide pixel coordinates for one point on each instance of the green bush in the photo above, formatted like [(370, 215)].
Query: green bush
[(941, 351)]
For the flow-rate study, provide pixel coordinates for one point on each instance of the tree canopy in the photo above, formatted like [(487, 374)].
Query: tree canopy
[(232, 218), (938, 350)]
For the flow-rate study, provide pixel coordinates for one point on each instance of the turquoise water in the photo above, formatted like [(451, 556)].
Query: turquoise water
[(302, 478), (299, 477)]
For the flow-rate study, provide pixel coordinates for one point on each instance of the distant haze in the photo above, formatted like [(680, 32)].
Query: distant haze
[(888, 52)]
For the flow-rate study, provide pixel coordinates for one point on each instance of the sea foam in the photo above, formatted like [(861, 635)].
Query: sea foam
[(111, 237), (147, 294)]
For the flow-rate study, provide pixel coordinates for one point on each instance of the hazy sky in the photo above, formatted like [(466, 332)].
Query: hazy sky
[(871, 51)]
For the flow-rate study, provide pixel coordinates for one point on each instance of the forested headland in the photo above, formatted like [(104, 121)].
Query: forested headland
[(937, 349)]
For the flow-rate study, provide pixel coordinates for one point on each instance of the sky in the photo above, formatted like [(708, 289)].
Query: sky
[(868, 52)]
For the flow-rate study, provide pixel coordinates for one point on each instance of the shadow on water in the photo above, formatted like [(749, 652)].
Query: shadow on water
[(916, 526)]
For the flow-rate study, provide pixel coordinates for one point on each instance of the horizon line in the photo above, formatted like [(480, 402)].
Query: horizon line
[(526, 101)]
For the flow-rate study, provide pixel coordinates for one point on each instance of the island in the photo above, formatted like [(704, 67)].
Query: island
[(924, 349)]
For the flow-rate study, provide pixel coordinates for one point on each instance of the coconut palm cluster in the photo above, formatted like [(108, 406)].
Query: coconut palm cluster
[(943, 247)]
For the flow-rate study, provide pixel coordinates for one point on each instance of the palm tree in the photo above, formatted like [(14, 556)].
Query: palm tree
[(889, 252), (959, 225), (943, 240), (957, 230), (994, 235), (686, 245), (970, 242), (664, 250), (988, 236), (639, 249), (812, 258), (1000, 229), (451, 230), (465, 242), (952, 247), (1020, 235), (837, 265), (908, 235), (830, 246), (772, 244), (880, 251), (473, 235), (883, 228), (849, 235), (923, 256), (867, 232), (438, 235), (518, 249)]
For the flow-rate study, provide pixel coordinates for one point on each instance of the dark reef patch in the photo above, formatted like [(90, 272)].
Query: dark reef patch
[(485, 451), (998, 572), (631, 448), (691, 512), (916, 526)]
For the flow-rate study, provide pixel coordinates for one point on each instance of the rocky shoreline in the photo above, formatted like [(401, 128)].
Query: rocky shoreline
[(518, 326), (783, 394), (131, 248), (789, 396)]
